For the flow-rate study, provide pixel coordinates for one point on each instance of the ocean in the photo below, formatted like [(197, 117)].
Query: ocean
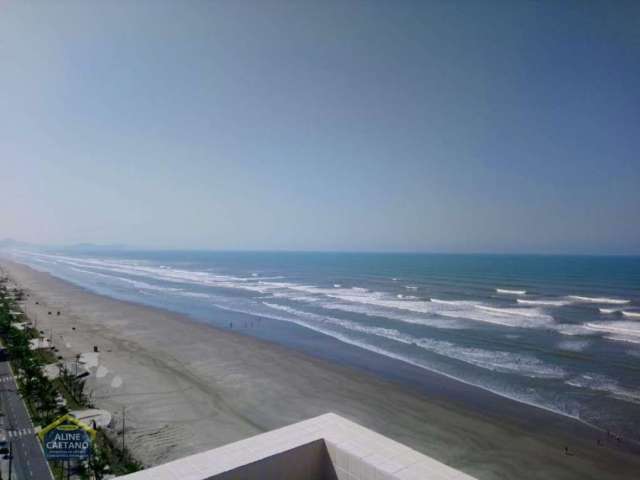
[(558, 332)]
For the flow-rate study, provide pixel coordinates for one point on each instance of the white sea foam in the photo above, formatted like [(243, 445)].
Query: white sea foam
[(601, 383), (408, 309), (573, 329), (136, 283), (336, 285), (510, 291), (461, 309), (631, 313), (609, 310), (451, 309), (524, 312), (351, 341), (574, 345), (524, 398), (457, 303), (382, 300), (149, 286), (411, 287), (405, 308), (89, 272), (505, 362), (613, 301), (508, 317), (505, 320), (381, 312), (622, 338), (543, 302), (169, 275), (627, 331), (195, 294)]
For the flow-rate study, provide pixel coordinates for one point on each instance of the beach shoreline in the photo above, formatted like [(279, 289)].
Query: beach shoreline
[(188, 387)]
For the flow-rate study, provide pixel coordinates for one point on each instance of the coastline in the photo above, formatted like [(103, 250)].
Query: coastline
[(188, 387)]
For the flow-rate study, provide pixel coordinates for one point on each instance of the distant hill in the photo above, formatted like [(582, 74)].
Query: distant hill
[(11, 243), (93, 247)]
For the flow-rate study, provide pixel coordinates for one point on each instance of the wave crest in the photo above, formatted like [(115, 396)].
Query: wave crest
[(509, 291), (613, 301)]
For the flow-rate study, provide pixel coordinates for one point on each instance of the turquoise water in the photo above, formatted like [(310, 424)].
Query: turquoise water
[(558, 332)]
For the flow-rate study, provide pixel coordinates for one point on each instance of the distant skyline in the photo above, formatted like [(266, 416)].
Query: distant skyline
[(495, 127)]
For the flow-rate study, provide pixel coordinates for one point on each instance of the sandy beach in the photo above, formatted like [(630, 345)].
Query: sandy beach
[(188, 387)]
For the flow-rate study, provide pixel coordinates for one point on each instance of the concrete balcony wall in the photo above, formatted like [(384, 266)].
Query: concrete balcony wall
[(307, 462), (327, 447)]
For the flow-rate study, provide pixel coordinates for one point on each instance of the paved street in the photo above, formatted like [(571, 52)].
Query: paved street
[(28, 458)]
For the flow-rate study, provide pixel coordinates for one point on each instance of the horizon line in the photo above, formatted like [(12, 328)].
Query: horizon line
[(125, 247)]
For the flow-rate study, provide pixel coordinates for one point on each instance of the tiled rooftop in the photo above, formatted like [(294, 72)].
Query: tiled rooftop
[(326, 447)]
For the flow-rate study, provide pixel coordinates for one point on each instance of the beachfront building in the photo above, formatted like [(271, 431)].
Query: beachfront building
[(327, 447)]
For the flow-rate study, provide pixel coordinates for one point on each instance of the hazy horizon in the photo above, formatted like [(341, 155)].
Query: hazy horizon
[(88, 247), (457, 127)]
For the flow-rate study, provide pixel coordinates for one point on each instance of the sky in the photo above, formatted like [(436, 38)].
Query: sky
[(438, 126)]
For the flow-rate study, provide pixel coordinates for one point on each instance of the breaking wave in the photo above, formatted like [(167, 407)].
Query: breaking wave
[(507, 317), (505, 362), (613, 301), (490, 328), (608, 310), (136, 283), (525, 312), (509, 291), (543, 302), (619, 330), (456, 303), (405, 317), (601, 383)]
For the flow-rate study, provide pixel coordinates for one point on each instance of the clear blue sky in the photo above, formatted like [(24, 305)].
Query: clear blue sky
[(353, 125)]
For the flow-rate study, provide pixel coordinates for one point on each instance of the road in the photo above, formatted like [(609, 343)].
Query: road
[(28, 458)]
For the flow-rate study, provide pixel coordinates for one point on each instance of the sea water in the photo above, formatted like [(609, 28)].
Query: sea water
[(557, 332)]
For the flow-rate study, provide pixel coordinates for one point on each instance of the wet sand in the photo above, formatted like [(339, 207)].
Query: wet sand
[(188, 387)]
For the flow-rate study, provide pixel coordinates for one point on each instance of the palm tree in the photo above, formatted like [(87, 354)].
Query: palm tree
[(47, 398), (98, 463)]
